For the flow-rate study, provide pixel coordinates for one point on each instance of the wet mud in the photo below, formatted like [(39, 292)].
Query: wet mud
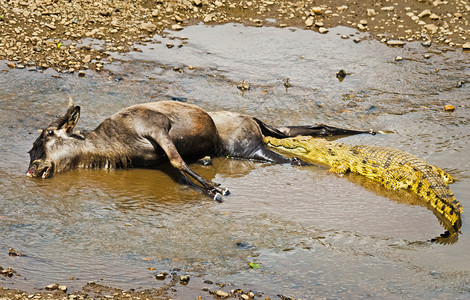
[(310, 233)]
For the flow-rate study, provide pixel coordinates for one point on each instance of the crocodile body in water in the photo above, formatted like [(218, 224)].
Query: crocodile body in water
[(394, 169)]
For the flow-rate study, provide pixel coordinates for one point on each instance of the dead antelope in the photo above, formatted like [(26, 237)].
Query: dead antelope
[(147, 135)]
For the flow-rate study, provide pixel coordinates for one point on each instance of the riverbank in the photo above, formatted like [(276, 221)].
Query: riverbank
[(62, 31), (57, 33)]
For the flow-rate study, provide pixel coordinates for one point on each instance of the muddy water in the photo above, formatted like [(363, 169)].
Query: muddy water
[(313, 233)]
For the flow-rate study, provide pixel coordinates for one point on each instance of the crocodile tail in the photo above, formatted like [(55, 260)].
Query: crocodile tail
[(393, 168)]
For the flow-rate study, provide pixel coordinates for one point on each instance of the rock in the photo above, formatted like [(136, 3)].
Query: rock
[(395, 43), (50, 26), (434, 17), (178, 19), (322, 30), (54, 286), (363, 22), (316, 10), (431, 27), (319, 24), (371, 12), (398, 58), (150, 27), (427, 43), (81, 73), (466, 46), (449, 107), (176, 27), (161, 276), (221, 294), (86, 59), (388, 8), (184, 278), (341, 74), (62, 288), (208, 18), (244, 86), (11, 65), (425, 13), (309, 21)]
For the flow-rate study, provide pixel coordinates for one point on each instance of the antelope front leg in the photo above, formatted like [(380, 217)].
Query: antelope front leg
[(177, 162)]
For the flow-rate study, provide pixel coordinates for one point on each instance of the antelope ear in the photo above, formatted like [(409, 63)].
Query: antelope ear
[(71, 119)]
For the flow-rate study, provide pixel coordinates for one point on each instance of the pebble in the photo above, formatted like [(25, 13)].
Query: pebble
[(388, 8), (431, 27), (427, 43), (395, 43), (398, 58), (184, 278), (150, 27), (122, 23), (309, 21), (449, 107), (221, 294), (424, 13), (53, 286), (244, 86), (466, 46), (371, 12), (316, 10), (176, 27), (62, 288)]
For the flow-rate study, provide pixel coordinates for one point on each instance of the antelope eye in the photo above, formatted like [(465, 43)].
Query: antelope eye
[(50, 132)]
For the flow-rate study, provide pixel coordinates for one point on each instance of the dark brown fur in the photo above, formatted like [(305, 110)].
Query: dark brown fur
[(147, 135)]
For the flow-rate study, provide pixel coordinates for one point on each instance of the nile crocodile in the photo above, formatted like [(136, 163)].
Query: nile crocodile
[(394, 169)]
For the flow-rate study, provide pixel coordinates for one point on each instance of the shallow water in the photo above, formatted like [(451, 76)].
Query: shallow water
[(314, 234)]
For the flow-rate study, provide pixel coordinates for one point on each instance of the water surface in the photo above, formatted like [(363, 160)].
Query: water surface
[(314, 233)]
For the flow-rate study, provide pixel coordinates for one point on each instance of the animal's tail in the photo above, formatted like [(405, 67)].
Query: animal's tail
[(307, 130)]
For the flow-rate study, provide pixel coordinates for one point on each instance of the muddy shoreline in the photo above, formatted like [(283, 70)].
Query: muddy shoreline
[(55, 33), (62, 29)]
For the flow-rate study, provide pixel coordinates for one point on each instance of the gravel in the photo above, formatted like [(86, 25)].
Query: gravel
[(57, 33)]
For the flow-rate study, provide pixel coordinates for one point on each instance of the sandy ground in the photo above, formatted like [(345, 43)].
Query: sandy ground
[(53, 34)]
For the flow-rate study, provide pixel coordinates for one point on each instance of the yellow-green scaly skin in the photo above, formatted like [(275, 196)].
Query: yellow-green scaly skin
[(394, 169)]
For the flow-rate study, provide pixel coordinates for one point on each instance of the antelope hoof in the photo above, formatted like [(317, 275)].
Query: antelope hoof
[(218, 198)]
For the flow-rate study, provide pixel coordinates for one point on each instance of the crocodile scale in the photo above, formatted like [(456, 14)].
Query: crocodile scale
[(393, 168)]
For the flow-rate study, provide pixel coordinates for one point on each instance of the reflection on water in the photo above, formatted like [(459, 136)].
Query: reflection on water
[(314, 233)]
